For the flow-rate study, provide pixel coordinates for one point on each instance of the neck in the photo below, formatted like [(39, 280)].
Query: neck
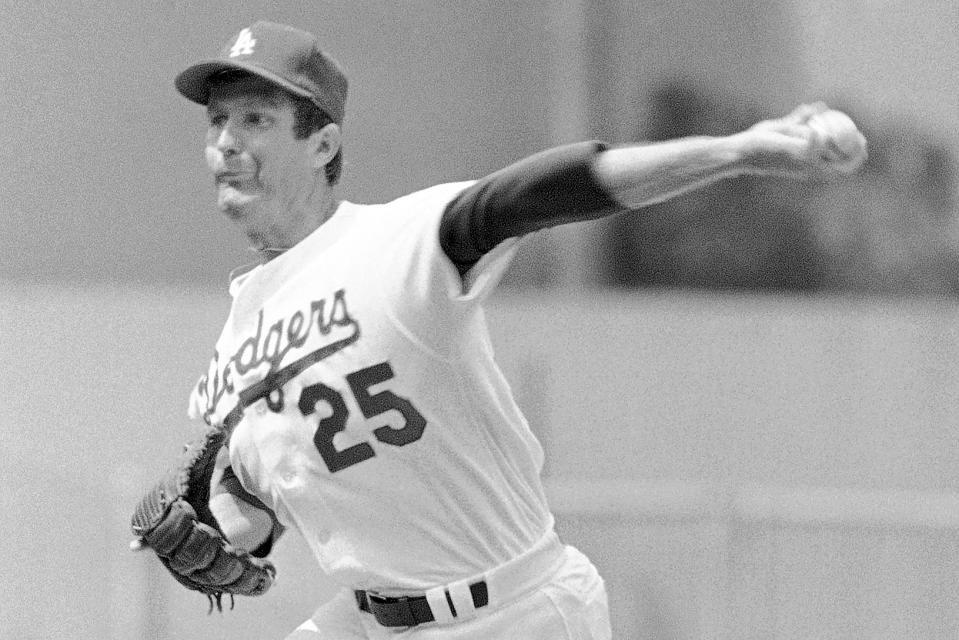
[(291, 226)]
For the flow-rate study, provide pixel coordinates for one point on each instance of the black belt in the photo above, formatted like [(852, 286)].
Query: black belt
[(409, 611)]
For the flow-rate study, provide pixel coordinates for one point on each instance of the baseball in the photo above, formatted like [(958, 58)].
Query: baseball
[(841, 143)]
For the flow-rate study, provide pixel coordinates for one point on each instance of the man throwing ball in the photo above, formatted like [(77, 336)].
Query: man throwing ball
[(353, 396)]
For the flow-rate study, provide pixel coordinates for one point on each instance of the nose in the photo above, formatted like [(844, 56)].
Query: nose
[(227, 142)]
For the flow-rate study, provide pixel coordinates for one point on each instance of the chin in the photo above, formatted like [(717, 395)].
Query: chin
[(234, 204)]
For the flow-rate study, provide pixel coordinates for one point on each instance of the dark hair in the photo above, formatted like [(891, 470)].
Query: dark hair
[(308, 119)]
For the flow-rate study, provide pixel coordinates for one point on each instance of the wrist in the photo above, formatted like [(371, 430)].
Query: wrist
[(740, 152)]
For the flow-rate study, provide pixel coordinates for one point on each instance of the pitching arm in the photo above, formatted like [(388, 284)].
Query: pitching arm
[(549, 188), (812, 141), (589, 180)]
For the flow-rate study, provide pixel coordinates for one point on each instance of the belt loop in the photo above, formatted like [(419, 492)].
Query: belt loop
[(436, 597), (462, 598)]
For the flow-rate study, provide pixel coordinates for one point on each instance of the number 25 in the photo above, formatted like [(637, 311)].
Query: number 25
[(371, 404)]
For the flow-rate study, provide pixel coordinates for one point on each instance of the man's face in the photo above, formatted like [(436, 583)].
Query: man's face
[(260, 170)]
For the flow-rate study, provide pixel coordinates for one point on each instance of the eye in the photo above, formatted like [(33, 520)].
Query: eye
[(216, 119), (256, 119)]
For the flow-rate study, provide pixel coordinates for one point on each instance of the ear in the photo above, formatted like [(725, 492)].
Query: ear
[(324, 145)]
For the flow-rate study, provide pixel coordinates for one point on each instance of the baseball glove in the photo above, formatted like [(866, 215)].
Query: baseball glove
[(174, 519)]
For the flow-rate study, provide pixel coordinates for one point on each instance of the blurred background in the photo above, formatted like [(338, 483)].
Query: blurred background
[(747, 395)]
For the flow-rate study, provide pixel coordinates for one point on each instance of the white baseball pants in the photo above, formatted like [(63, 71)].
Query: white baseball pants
[(552, 592)]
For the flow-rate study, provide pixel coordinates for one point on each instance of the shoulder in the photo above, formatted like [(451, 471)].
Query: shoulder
[(439, 195), (424, 206)]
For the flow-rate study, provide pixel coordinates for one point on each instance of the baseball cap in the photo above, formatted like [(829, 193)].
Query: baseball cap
[(284, 55)]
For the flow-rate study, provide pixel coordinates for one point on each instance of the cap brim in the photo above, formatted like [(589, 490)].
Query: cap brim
[(194, 81)]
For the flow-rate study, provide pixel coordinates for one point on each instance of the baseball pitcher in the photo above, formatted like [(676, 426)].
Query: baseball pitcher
[(353, 396)]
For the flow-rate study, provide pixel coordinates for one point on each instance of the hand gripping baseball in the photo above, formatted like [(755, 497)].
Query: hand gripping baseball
[(837, 140), (812, 141), (174, 519)]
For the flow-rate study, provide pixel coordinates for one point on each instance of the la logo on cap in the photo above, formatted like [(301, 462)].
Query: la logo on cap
[(243, 45)]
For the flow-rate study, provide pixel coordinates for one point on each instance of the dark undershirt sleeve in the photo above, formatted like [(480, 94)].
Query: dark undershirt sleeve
[(547, 189)]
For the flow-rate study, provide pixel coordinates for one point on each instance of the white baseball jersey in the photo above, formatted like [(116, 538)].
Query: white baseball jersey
[(356, 373)]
